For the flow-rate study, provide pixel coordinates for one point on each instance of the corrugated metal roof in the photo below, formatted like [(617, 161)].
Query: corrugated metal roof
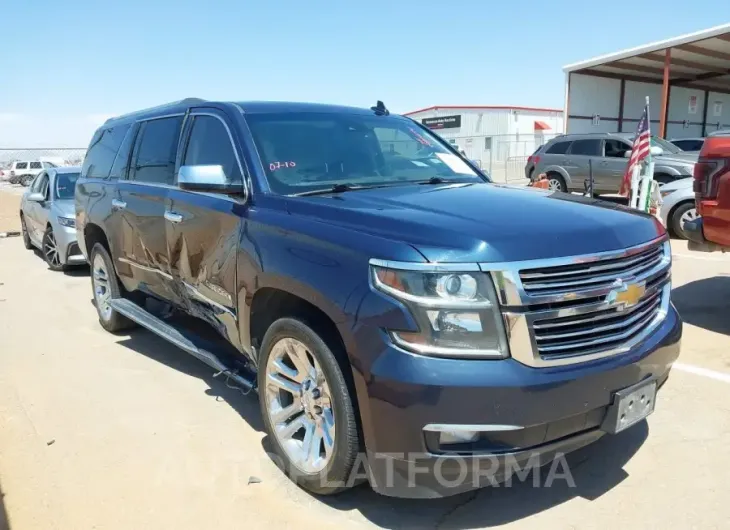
[(479, 107), (697, 60)]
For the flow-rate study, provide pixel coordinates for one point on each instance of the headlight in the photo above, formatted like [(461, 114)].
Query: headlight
[(67, 221), (457, 312)]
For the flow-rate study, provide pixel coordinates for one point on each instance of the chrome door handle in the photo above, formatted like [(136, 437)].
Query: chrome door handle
[(173, 217), (118, 205)]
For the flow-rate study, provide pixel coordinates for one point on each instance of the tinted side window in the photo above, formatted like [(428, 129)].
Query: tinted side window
[(35, 165), (210, 144), (156, 150), (102, 151), (590, 147), (21, 165), (615, 148), (36, 186), (558, 148), (121, 162)]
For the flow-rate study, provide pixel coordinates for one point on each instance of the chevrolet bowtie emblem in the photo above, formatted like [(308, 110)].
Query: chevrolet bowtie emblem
[(628, 294)]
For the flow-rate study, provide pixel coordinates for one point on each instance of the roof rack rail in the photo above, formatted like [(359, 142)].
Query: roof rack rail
[(186, 101)]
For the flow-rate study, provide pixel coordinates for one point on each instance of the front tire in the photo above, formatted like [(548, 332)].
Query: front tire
[(50, 251), (307, 408), (24, 230), (105, 285), (681, 214)]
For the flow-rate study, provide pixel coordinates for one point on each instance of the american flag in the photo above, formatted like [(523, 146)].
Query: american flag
[(639, 151)]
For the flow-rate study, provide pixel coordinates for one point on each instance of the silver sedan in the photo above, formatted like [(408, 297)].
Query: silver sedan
[(678, 205), (48, 218)]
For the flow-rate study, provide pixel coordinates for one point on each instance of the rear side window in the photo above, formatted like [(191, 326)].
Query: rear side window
[(558, 148), (156, 151), (590, 147), (121, 162), (103, 151), (210, 144), (21, 165), (36, 165)]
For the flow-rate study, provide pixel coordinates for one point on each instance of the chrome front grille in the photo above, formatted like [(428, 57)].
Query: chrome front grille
[(577, 309), (593, 332), (591, 274)]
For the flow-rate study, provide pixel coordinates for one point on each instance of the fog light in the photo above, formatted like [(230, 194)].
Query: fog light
[(457, 437)]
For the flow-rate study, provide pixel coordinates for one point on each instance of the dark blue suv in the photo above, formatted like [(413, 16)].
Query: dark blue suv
[(403, 320)]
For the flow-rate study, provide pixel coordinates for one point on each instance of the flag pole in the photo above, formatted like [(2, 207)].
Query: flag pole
[(645, 186)]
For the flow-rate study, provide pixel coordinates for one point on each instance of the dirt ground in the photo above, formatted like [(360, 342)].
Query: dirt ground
[(126, 431), (9, 207)]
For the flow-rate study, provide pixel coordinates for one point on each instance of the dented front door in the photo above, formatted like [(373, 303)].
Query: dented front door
[(203, 228), (202, 236)]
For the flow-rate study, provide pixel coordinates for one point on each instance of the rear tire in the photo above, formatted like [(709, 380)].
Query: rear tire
[(105, 286), (685, 210), (319, 455), (556, 182), (24, 230)]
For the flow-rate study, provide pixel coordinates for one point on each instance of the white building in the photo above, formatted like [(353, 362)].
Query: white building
[(686, 78), (496, 137)]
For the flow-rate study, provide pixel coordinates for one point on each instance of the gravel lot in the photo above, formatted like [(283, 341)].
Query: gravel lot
[(126, 431)]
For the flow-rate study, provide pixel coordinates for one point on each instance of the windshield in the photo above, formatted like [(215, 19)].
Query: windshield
[(666, 146), (304, 152), (65, 184)]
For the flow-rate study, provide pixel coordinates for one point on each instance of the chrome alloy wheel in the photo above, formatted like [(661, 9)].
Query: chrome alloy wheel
[(102, 294), (689, 215), (554, 184), (51, 250), (299, 405)]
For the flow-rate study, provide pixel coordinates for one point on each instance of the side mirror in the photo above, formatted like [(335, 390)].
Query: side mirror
[(655, 150), (37, 197), (206, 178), (627, 153)]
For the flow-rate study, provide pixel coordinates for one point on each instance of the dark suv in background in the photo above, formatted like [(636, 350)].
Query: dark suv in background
[(568, 159), (380, 294)]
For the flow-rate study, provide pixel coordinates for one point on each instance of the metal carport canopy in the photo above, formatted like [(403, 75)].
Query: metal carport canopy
[(698, 60)]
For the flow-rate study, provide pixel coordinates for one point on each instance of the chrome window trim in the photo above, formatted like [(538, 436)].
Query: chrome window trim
[(194, 113), (152, 118)]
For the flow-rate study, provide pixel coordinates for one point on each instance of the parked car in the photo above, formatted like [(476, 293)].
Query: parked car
[(567, 160), (385, 301), (678, 205), (23, 172), (48, 218), (688, 144), (711, 230)]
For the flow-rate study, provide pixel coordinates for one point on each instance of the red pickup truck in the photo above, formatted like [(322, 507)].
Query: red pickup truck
[(711, 230)]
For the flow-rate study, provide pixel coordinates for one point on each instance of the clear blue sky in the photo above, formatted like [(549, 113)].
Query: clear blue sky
[(105, 58)]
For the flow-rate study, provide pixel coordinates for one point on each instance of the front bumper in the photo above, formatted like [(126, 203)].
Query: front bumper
[(68, 247), (546, 411), (696, 237)]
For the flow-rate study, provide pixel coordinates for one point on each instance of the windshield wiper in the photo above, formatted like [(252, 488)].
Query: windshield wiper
[(337, 188), (435, 180)]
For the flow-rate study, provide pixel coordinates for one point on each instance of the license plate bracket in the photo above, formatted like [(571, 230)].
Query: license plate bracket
[(630, 406)]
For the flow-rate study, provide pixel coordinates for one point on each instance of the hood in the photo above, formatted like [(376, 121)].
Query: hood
[(483, 222), (681, 184), (64, 208), (685, 157)]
